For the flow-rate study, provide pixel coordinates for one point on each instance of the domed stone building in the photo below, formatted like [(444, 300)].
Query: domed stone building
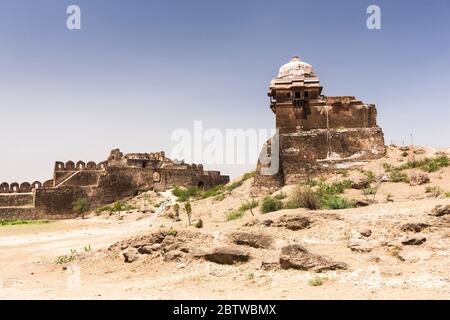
[(316, 133)]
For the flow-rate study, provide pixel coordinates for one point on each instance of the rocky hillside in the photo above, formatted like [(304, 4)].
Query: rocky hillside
[(380, 230)]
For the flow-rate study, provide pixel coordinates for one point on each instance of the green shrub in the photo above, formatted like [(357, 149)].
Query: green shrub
[(80, 206), (248, 205), (21, 222), (185, 194), (436, 191), (171, 232), (324, 195), (428, 164), (370, 176), (248, 175), (234, 215), (398, 176), (447, 194), (213, 192), (270, 204), (233, 185), (64, 259), (304, 197), (280, 196), (116, 207), (188, 209), (317, 281), (219, 197), (369, 191), (333, 188), (336, 202)]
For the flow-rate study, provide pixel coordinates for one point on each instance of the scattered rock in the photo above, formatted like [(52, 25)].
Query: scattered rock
[(131, 255), (267, 222), (293, 222), (375, 259), (414, 254), (358, 241), (414, 226), (440, 210), (145, 250), (419, 178), (419, 151), (413, 241), (172, 246), (226, 255), (175, 255), (251, 223), (365, 232), (255, 240), (270, 265), (362, 203), (296, 256)]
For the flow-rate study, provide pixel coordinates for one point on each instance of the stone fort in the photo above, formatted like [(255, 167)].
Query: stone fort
[(315, 133), (118, 177)]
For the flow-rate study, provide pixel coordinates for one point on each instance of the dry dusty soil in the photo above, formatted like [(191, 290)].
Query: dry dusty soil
[(396, 248)]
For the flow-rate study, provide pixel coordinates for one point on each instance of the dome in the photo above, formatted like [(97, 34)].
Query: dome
[(295, 69), (295, 72)]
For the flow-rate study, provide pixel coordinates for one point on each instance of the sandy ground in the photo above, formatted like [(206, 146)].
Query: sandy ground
[(29, 270)]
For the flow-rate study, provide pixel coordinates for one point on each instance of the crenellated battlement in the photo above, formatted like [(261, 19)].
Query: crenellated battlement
[(24, 187), (80, 165)]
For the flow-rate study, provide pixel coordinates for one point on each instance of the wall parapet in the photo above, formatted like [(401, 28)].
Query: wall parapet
[(80, 166), (24, 187)]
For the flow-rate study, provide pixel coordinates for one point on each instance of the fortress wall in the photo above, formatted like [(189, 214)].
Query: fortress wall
[(118, 183), (58, 201), (321, 116), (356, 143), (330, 146), (181, 178), (24, 187), (9, 214), (219, 179), (60, 176), (16, 199), (84, 178)]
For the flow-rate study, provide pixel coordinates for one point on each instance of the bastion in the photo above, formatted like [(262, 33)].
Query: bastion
[(315, 133)]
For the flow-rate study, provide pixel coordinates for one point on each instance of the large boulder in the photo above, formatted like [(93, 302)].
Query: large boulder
[(296, 256), (131, 255), (226, 255), (418, 178), (255, 240)]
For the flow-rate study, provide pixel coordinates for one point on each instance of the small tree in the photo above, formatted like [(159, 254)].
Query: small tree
[(188, 209), (80, 206), (176, 210)]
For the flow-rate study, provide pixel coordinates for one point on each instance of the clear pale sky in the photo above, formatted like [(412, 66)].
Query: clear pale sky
[(138, 70)]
